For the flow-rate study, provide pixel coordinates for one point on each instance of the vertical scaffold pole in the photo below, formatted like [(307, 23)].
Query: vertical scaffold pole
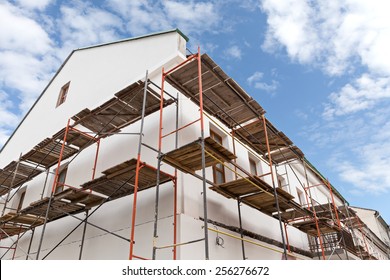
[(274, 187), (53, 188), (241, 231), (238, 199), (206, 236), (175, 183), (317, 225), (83, 236), (364, 237), (334, 204), (155, 236), (86, 212), (310, 202), (138, 167), (351, 228)]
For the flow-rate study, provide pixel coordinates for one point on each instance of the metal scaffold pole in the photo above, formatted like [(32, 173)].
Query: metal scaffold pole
[(53, 189), (310, 201), (206, 238), (138, 167), (83, 236), (175, 182), (274, 188), (241, 231), (155, 226)]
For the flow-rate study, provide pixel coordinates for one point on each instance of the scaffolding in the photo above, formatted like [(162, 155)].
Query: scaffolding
[(223, 99), (128, 106), (219, 97)]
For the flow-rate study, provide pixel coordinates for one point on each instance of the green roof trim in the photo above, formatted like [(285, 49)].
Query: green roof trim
[(182, 34)]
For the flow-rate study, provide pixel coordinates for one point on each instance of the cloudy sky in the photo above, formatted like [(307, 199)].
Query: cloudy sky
[(321, 68)]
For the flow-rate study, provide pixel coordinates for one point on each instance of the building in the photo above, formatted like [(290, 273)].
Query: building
[(137, 149), (376, 237)]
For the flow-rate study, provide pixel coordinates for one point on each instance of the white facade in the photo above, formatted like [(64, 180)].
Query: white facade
[(377, 231), (95, 75)]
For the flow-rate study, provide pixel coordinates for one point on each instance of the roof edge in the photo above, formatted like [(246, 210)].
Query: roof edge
[(376, 213)]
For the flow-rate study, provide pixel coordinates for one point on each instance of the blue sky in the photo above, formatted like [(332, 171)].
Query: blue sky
[(321, 69)]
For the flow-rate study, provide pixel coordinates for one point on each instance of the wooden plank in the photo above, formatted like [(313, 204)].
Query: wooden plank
[(246, 186), (188, 158), (119, 180), (47, 153), (23, 174), (28, 220), (79, 197), (76, 138), (122, 110), (10, 230), (58, 208)]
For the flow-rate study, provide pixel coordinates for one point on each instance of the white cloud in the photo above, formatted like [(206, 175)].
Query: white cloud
[(34, 4), (340, 37), (364, 93), (333, 34), (25, 73), (83, 25), (256, 80), (289, 25), (13, 32), (25, 55), (192, 17), (8, 119), (255, 77), (348, 38), (33, 42), (300, 114), (370, 172), (356, 148), (233, 52)]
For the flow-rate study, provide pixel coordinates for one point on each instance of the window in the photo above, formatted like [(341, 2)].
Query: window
[(63, 93), (218, 169), (253, 167), (61, 180)]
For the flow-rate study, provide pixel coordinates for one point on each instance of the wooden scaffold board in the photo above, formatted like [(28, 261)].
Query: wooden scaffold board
[(255, 192), (120, 111), (188, 158), (14, 175), (47, 152), (281, 147), (118, 181), (69, 201), (309, 226)]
